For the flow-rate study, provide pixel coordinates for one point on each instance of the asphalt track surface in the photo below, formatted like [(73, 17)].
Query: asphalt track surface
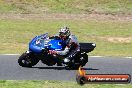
[(10, 70)]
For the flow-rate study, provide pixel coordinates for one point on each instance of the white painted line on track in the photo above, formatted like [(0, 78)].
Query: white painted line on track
[(89, 56), (128, 57), (9, 54), (20, 54), (96, 56)]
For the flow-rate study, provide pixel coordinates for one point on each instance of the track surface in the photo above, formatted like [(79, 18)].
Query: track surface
[(9, 69)]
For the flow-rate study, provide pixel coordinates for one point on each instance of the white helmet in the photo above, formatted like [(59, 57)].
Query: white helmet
[(64, 32)]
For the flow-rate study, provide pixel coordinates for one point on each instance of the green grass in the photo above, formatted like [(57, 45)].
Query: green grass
[(55, 84), (16, 34), (67, 6)]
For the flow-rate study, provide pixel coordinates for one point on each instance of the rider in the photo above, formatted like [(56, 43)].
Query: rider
[(72, 46)]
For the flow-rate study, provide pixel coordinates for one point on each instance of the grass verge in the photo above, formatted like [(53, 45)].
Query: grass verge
[(55, 84), (66, 6), (110, 36)]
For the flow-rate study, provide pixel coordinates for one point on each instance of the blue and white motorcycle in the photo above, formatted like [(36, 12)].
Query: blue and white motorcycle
[(39, 50)]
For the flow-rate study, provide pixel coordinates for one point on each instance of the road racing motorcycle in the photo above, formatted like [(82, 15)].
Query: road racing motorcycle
[(40, 46)]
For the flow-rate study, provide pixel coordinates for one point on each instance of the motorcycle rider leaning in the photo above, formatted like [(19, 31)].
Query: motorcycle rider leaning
[(72, 46)]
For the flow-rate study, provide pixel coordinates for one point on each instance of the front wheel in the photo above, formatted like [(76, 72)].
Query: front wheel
[(26, 60)]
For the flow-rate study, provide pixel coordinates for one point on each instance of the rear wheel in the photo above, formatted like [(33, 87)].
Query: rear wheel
[(72, 67), (76, 64), (27, 60), (84, 59)]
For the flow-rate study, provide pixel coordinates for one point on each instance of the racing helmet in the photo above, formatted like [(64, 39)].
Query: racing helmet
[(64, 32)]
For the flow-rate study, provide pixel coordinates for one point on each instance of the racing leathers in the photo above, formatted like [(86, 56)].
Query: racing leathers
[(71, 49)]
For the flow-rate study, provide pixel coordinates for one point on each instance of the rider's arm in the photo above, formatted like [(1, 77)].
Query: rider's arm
[(64, 52)]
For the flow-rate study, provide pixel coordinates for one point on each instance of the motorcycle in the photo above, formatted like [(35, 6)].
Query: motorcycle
[(40, 46)]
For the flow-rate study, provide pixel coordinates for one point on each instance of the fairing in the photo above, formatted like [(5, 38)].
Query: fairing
[(41, 42)]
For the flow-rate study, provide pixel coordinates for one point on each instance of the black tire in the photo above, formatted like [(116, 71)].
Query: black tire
[(72, 66), (48, 60), (77, 66), (25, 60), (84, 60), (81, 61)]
